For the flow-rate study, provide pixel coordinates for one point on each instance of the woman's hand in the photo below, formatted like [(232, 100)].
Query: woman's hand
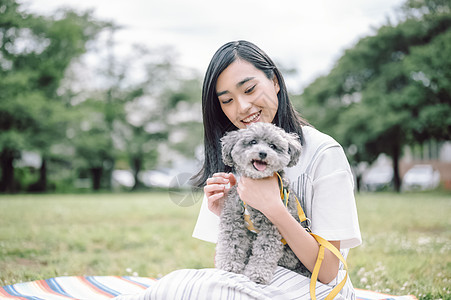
[(216, 190), (261, 194)]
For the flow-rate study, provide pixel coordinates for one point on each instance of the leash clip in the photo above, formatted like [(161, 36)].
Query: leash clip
[(308, 224)]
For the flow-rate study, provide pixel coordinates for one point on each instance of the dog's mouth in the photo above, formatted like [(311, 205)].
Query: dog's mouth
[(259, 165)]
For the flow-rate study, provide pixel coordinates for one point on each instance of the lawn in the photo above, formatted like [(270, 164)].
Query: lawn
[(406, 249)]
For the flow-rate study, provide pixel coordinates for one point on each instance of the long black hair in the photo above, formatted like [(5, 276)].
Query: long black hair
[(216, 123)]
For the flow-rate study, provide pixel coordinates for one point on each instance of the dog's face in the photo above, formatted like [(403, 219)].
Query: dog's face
[(260, 150)]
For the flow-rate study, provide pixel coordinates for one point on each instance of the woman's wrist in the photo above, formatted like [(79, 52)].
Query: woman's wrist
[(277, 213)]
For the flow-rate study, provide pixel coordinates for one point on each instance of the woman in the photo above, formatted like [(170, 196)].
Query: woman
[(242, 85)]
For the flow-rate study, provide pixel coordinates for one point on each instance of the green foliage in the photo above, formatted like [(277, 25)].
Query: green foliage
[(147, 107), (430, 68), (185, 116), (391, 88), (35, 52), (125, 117), (92, 138)]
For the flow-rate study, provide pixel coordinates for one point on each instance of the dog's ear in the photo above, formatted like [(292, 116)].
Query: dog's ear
[(294, 148), (228, 141)]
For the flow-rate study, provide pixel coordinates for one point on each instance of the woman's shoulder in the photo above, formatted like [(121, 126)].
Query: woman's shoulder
[(315, 143), (314, 138)]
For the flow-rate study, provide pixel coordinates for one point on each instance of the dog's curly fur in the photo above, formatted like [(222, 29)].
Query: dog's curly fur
[(256, 152)]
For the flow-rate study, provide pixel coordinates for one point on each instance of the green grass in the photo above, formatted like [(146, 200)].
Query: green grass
[(406, 248), (106, 234), (406, 244)]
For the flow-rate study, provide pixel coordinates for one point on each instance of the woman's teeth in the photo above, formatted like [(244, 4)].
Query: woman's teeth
[(251, 118)]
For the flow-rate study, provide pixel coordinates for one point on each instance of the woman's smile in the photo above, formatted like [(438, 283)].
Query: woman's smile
[(255, 117)]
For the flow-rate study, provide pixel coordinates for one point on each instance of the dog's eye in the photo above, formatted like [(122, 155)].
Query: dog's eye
[(272, 146), (253, 142)]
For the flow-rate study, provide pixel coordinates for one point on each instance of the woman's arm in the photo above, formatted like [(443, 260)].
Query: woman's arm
[(264, 195), (304, 245)]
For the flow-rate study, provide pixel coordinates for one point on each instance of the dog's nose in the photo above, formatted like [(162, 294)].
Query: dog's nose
[(262, 155)]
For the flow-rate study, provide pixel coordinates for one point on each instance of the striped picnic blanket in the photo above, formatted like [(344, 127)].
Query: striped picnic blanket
[(107, 287)]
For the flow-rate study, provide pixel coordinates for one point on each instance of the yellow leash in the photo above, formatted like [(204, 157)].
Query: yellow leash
[(323, 244)]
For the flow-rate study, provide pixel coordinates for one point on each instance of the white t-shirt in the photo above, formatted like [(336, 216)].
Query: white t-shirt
[(323, 182)]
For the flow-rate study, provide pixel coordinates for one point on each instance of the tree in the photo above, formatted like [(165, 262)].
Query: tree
[(148, 109), (91, 140), (35, 52), (390, 89), (186, 121)]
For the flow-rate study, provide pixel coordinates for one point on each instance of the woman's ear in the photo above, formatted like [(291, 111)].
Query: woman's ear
[(228, 141), (276, 84)]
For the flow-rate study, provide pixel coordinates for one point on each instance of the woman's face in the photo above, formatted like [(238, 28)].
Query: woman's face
[(246, 95)]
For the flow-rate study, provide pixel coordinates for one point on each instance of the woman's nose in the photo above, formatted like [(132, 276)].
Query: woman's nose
[(243, 105)]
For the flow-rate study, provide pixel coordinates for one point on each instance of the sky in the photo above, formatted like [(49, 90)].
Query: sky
[(309, 36)]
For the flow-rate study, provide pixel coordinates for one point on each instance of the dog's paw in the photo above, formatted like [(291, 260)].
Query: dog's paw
[(233, 267), (259, 277)]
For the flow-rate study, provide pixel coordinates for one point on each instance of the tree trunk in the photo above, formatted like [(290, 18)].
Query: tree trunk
[(96, 178), (358, 182), (137, 165), (7, 180), (41, 184), (107, 173), (395, 156), (358, 177)]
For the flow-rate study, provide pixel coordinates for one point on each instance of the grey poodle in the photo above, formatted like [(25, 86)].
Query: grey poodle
[(256, 152)]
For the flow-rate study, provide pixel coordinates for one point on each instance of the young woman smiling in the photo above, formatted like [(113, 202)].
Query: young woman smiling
[(242, 85)]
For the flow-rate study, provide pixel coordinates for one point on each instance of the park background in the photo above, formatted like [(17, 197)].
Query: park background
[(85, 120)]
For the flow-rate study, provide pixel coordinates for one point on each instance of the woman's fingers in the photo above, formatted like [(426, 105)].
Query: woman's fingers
[(217, 180), (216, 189), (215, 197), (225, 178), (232, 179), (213, 189), (215, 203)]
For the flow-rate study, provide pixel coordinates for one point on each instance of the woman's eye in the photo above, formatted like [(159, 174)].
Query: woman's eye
[(249, 90), (226, 101)]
